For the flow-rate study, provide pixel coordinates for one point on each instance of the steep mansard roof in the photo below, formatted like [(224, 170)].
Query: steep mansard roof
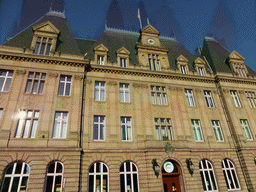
[(217, 56), (66, 43), (114, 39)]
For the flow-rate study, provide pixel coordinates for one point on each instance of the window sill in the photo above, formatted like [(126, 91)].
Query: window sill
[(67, 96), (126, 141), (160, 105), (98, 141), (99, 101), (35, 94)]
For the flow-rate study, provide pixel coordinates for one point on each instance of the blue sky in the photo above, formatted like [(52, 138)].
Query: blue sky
[(232, 22)]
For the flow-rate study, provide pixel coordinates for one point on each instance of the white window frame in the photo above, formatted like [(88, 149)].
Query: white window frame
[(217, 130), (183, 69), (126, 129), (15, 175), (27, 123), (197, 130), (251, 98), (60, 132), (230, 180), (190, 98), (163, 129), (54, 175), (209, 185), (158, 95), (124, 92), (240, 69), (209, 99), (100, 59), (123, 62), (98, 124), (154, 62), (235, 98), (48, 45), (37, 82), (246, 129), (201, 71), (100, 91), (7, 77), (131, 173), (66, 82), (101, 174)]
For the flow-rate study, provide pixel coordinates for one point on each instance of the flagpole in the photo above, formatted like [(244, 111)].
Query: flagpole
[(139, 18)]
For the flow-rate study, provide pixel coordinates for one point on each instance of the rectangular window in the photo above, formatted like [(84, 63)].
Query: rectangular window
[(217, 130), (251, 98), (240, 70), (163, 129), (154, 62), (190, 98), (126, 128), (60, 125), (5, 79), (124, 93), (35, 83), (100, 60), (99, 91), (158, 95), (43, 46), (201, 71), (208, 98), (123, 62), (98, 128), (197, 129), (246, 129), (27, 124), (65, 85), (183, 69), (1, 112), (235, 98)]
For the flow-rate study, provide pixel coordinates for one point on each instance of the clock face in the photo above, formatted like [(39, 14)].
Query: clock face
[(151, 41), (168, 167)]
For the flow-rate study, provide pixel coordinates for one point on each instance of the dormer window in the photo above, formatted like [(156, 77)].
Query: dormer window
[(123, 62), (43, 46), (201, 71), (154, 62), (183, 69), (240, 70), (100, 60)]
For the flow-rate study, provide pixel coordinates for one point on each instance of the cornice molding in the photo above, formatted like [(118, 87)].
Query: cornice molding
[(235, 80), (42, 59), (146, 73)]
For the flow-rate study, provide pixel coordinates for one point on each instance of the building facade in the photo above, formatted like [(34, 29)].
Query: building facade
[(129, 112)]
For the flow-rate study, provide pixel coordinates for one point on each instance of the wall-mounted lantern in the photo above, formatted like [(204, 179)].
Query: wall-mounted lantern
[(255, 160), (156, 167), (190, 166)]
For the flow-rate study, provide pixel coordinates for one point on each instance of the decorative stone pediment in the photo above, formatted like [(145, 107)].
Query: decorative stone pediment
[(123, 51), (182, 59), (46, 27), (101, 48), (235, 56), (199, 61), (149, 29)]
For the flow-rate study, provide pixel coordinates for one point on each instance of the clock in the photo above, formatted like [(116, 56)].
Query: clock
[(168, 167), (151, 41)]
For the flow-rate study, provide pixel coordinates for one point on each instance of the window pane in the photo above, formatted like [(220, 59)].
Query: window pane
[(42, 49), (26, 129), (18, 167), (41, 87), (37, 48), (61, 89), (49, 183), (7, 84), (33, 129), (95, 132), (15, 183), (6, 184), (28, 87), (68, 86), (48, 49)]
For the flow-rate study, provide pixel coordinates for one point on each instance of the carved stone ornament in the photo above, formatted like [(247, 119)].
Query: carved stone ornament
[(112, 83), (78, 77), (54, 75), (241, 92), (20, 72), (88, 81)]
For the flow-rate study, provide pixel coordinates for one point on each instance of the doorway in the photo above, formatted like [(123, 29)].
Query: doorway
[(171, 176)]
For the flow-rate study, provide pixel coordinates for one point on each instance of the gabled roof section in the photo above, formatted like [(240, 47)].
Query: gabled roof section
[(181, 58), (66, 42), (123, 50), (149, 29), (101, 48), (217, 56), (46, 27), (199, 60), (115, 39)]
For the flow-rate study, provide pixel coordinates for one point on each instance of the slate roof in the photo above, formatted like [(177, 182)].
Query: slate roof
[(114, 39), (216, 55), (66, 42)]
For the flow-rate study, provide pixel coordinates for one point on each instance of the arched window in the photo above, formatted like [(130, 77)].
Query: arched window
[(16, 177), (207, 176), (98, 177), (129, 180), (54, 177), (229, 172)]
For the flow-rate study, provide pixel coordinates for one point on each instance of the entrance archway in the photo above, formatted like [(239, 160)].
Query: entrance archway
[(171, 176)]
